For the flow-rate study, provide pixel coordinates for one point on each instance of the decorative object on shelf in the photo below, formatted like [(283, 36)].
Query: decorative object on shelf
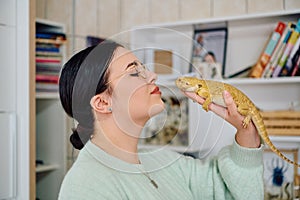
[(283, 122), (163, 62), (280, 178), (209, 43), (212, 91)]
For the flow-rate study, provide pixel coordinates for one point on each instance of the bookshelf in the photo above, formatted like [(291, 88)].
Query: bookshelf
[(247, 35), (51, 123)]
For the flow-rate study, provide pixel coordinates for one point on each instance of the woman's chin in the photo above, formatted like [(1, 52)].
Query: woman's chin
[(156, 109)]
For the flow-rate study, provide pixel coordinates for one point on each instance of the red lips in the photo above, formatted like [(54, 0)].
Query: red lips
[(156, 91)]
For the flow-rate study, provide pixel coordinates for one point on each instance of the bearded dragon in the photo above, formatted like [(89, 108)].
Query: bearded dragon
[(212, 91)]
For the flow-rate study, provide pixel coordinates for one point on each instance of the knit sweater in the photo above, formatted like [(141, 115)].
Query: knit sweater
[(235, 173)]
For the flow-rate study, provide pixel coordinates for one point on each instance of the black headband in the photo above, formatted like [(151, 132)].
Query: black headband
[(90, 73)]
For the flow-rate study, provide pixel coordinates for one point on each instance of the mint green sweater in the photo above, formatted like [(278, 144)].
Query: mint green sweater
[(236, 173)]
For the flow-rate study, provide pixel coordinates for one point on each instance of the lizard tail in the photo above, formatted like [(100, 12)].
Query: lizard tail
[(257, 120)]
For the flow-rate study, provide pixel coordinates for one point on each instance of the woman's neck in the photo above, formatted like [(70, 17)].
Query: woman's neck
[(118, 143)]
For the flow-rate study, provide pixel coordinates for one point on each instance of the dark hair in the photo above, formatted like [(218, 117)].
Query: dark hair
[(211, 54), (82, 77)]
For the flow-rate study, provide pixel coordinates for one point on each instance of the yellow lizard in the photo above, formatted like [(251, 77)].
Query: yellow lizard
[(212, 91)]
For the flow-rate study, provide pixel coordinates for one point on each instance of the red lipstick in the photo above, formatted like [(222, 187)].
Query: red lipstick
[(156, 91)]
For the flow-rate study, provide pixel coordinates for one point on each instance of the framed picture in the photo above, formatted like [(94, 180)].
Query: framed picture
[(209, 45), (280, 177)]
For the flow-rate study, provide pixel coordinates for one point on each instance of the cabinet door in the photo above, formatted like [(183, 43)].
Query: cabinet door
[(8, 69), (8, 12), (7, 155)]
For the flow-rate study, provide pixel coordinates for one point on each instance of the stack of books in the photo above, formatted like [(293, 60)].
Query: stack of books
[(281, 55), (48, 60)]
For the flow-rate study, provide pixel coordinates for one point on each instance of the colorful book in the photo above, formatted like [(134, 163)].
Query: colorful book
[(47, 60), (258, 68), (296, 63), (279, 50), (47, 78), (288, 67), (289, 46)]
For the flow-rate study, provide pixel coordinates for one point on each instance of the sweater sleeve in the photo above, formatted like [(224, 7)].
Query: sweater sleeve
[(242, 171), (235, 173)]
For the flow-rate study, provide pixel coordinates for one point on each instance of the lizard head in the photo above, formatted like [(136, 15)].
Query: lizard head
[(189, 84)]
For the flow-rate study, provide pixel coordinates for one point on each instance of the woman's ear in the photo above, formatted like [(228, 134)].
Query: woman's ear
[(101, 103)]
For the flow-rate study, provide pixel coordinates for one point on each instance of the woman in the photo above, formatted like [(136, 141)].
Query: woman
[(110, 93)]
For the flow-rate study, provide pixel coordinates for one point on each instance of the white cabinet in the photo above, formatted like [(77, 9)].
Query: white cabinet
[(8, 68), (8, 12), (8, 155), (247, 36)]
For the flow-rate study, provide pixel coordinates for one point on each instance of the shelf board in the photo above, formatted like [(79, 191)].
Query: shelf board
[(292, 139), (280, 80), (45, 168), (222, 19), (47, 95)]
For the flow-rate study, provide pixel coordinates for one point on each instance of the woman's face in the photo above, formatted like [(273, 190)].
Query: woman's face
[(135, 96)]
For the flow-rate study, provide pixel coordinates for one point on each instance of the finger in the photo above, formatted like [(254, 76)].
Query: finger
[(219, 110), (194, 97), (229, 102)]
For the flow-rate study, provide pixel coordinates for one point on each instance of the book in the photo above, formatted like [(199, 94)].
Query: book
[(50, 35), (288, 67), (279, 50), (46, 87), (289, 46), (47, 78), (258, 68), (296, 64)]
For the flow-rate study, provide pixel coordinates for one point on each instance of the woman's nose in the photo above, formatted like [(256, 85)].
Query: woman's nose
[(151, 77)]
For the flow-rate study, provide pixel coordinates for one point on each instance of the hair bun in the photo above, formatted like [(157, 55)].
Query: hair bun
[(80, 136), (75, 140)]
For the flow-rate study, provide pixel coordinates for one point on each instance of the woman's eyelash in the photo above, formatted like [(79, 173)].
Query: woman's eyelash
[(135, 74)]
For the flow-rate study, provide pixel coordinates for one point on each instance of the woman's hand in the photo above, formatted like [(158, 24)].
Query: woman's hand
[(246, 137)]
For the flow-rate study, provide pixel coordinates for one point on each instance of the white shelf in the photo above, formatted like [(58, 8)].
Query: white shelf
[(45, 168), (280, 80), (291, 139), (223, 19)]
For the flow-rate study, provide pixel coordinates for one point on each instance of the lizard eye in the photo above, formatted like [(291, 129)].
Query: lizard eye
[(199, 85)]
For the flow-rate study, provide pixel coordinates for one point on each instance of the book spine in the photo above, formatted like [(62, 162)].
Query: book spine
[(286, 53), (277, 57), (288, 67), (296, 70), (47, 78), (264, 58)]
